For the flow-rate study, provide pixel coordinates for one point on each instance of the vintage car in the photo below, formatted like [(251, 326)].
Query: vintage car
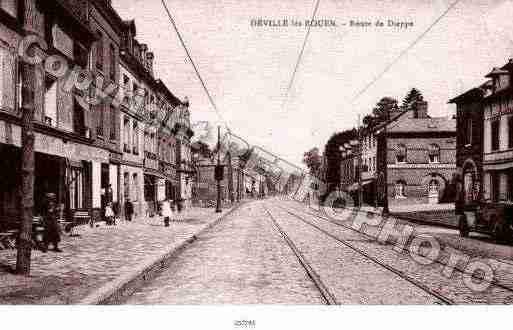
[(495, 219)]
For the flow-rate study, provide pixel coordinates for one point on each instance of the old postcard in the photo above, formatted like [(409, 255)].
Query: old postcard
[(256, 152)]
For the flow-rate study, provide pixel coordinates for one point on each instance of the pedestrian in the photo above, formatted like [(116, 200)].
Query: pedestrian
[(166, 212), (129, 210), (52, 233), (109, 215)]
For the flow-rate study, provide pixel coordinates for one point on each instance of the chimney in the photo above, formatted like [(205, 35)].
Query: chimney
[(149, 59), (144, 49), (420, 110)]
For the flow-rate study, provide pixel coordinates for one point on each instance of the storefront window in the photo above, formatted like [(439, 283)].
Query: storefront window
[(76, 189)]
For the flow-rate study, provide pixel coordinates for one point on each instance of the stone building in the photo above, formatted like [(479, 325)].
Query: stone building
[(498, 137), (85, 139), (76, 142)]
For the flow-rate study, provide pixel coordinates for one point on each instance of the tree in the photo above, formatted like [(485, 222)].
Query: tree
[(413, 96), (312, 159), (369, 121), (333, 156), (384, 107)]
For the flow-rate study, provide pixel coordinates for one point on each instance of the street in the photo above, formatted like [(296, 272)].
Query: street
[(280, 252)]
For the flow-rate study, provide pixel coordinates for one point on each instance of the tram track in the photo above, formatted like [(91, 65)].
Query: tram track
[(327, 296), (404, 251), (443, 299)]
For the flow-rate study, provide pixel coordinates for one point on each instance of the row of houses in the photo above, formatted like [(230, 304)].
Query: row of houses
[(89, 152), (412, 158), (406, 159), (485, 139)]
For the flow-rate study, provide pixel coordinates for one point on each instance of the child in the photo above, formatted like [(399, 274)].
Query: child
[(166, 212), (109, 215)]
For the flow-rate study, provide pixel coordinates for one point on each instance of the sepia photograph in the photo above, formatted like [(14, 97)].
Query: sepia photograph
[(253, 161)]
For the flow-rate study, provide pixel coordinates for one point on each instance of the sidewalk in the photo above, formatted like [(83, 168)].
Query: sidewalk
[(103, 261)]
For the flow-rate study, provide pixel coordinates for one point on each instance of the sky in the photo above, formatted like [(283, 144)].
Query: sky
[(247, 69)]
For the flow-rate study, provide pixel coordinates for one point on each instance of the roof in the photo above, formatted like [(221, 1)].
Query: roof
[(496, 72), (422, 125), (474, 94)]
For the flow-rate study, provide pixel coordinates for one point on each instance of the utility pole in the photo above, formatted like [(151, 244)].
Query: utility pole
[(24, 243), (219, 173), (360, 155), (384, 153)]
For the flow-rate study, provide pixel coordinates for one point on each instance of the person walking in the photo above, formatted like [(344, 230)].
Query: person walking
[(129, 210), (109, 215), (166, 212), (52, 233)]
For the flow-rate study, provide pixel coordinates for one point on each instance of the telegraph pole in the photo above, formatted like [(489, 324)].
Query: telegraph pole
[(360, 155), (218, 170)]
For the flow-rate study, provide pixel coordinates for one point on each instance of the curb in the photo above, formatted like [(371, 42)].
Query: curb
[(406, 218), (114, 292)]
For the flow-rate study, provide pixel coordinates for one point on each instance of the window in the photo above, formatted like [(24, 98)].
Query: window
[(10, 7), (400, 156), (99, 51), (135, 139), (78, 119), (152, 143), (135, 191), (400, 189), (112, 60), (50, 106), (126, 135), (76, 188), (80, 54), (495, 135), (113, 134), (510, 132), (146, 142), (434, 153), (468, 132), (126, 185), (7, 81)]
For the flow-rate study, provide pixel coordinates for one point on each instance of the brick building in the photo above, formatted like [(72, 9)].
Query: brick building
[(469, 143), (417, 155)]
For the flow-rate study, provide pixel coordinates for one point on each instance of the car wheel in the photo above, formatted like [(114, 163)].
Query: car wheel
[(463, 226), (502, 232)]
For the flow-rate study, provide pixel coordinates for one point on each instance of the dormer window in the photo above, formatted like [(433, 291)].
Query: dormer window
[(499, 77)]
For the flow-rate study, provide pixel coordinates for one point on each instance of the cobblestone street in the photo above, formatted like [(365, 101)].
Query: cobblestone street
[(245, 260), (101, 255)]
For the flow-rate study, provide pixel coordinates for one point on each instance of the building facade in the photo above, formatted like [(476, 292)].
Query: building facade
[(498, 137), (469, 143), (418, 157), (90, 146)]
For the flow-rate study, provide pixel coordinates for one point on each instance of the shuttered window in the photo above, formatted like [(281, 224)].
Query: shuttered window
[(8, 79)]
